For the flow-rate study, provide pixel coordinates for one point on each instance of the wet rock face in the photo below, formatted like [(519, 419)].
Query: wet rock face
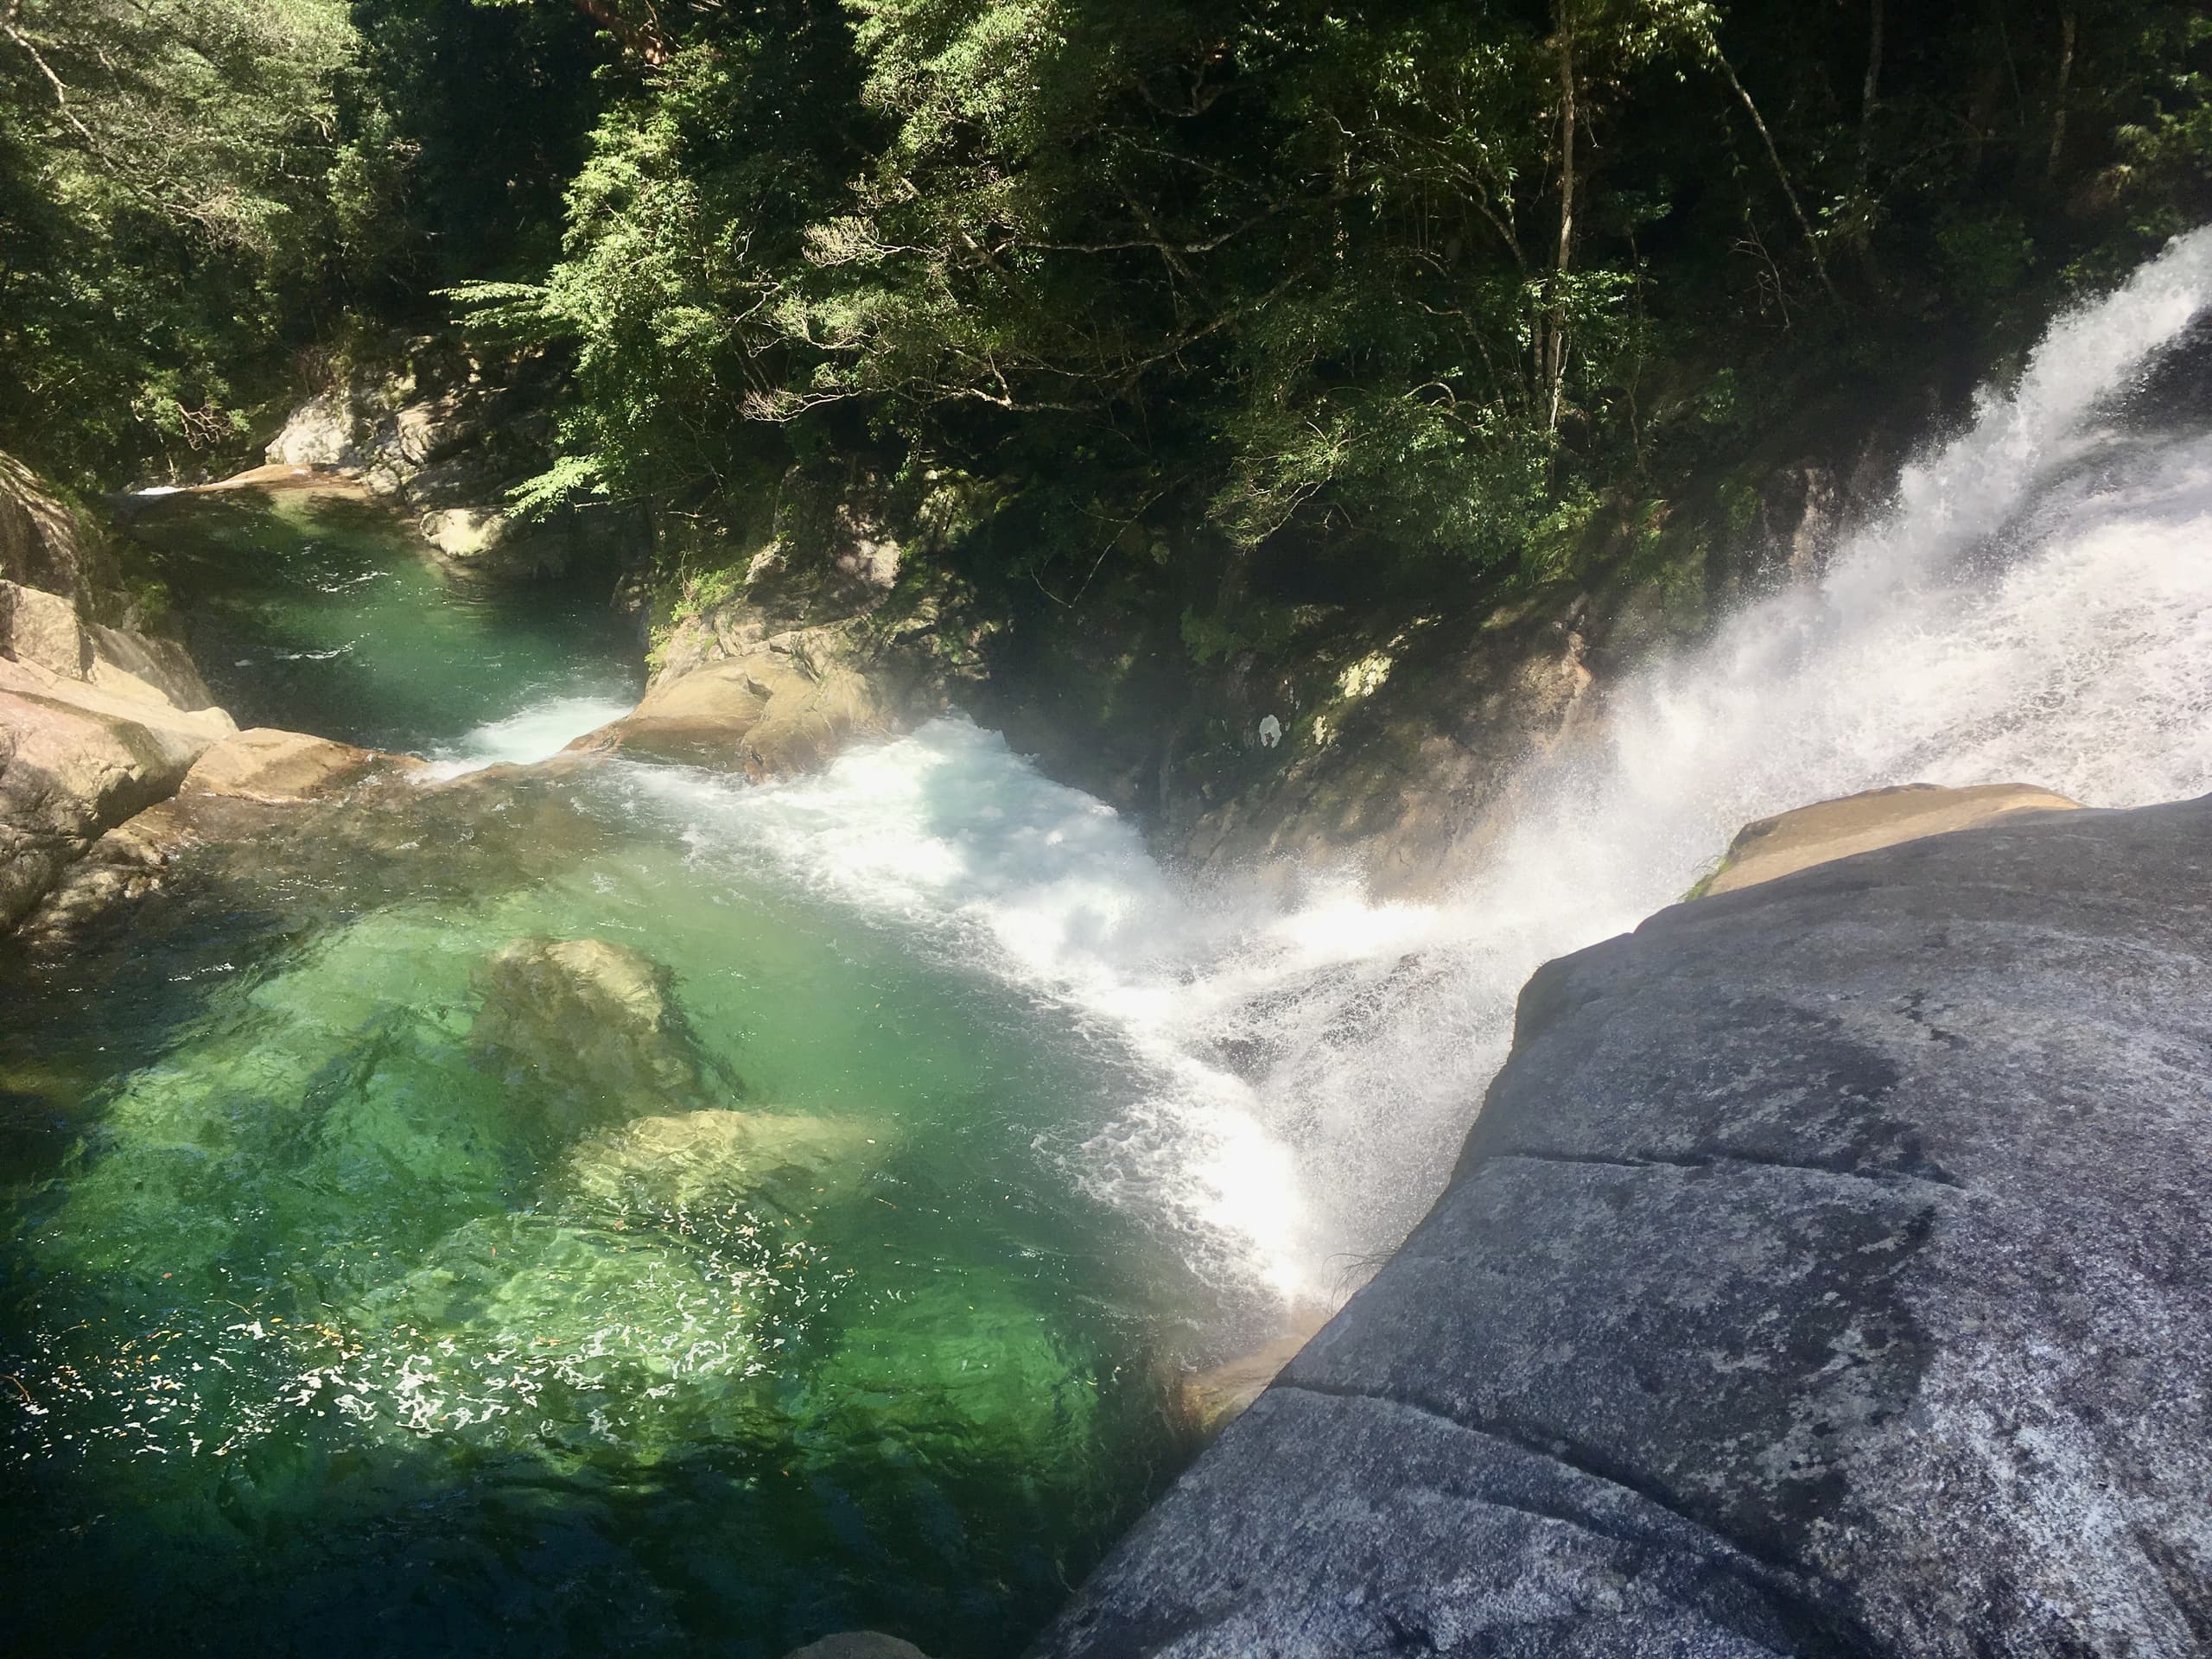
[(858, 1644), (1823, 1277), (1414, 769)]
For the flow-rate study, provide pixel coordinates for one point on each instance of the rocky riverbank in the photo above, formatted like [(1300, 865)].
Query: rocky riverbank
[(444, 432), (101, 715), (1817, 1279)]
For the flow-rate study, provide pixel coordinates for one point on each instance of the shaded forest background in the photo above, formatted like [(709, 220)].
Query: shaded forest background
[(1206, 298)]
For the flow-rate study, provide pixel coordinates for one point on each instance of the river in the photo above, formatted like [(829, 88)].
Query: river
[(321, 1340)]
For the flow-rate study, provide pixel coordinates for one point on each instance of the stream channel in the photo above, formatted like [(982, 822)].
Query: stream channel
[(330, 1334)]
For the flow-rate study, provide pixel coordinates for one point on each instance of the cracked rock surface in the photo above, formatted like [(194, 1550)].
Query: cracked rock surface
[(1825, 1275)]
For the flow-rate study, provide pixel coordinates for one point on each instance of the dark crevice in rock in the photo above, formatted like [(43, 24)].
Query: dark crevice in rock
[(1811, 1609), (1724, 1161), (1549, 1448)]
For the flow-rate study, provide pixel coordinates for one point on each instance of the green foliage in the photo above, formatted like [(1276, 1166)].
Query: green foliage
[(192, 190), (1403, 286), (161, 180), (1298, 273), (460, 132)]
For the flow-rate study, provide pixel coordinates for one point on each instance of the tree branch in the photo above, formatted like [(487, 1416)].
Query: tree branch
[(1774, 156)]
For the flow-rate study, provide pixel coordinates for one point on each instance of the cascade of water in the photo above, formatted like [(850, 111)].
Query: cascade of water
[(2036, 606), (536, 732)]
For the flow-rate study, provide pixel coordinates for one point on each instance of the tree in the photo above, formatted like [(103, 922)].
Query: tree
[(163, 163)]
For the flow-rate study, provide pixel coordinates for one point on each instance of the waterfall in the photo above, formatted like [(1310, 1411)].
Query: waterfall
[(2035, 605)]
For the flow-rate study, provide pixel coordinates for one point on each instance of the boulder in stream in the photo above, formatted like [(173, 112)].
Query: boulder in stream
[(831, 638), (587, 1025), (1823, 1275), (265, 764), (786, 705)]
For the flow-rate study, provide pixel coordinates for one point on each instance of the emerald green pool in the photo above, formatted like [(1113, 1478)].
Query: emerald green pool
[(328, 1326), (316, 613)]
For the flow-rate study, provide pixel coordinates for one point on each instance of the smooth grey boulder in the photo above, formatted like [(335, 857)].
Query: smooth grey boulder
[(1829, 1273)]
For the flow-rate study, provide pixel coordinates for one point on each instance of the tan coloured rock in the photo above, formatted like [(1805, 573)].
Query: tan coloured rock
[(321, 432), (465, 532), (98, 721), (265, 764), (45, 630), (783, 706), (287, 478), (37, 627), (76, 758), (42, 544), (1208, 1401), (1828, 831), (713, 1158)]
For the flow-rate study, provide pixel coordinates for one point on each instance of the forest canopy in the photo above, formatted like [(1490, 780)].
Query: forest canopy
[(1415, 279)]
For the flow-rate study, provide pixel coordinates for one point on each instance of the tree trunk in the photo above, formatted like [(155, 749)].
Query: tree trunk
[(1870, 94), (1774, 156), (2058, 112), (1555, 347)]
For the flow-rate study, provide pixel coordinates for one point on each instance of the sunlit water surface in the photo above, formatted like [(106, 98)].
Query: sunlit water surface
[(323, 1331), (324, 1328)]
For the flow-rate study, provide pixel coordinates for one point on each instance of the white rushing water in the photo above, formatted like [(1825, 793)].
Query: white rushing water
[(537, 733), (2036, 606)]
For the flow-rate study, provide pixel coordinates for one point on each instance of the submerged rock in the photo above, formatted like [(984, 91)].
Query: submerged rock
[(711, 1158), (1794, 840), (587, 1025), (858, 1644), (1823, 1276)]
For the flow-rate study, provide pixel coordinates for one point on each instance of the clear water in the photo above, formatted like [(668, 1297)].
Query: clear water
[(326, 1327), (316, 612), (448, 1360)]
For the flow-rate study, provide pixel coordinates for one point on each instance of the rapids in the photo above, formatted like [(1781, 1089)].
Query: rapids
[(314, 1335), (2035, 605)]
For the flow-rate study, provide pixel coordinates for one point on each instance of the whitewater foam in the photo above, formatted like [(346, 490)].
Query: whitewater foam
[(536, 732), (2036, 607)]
